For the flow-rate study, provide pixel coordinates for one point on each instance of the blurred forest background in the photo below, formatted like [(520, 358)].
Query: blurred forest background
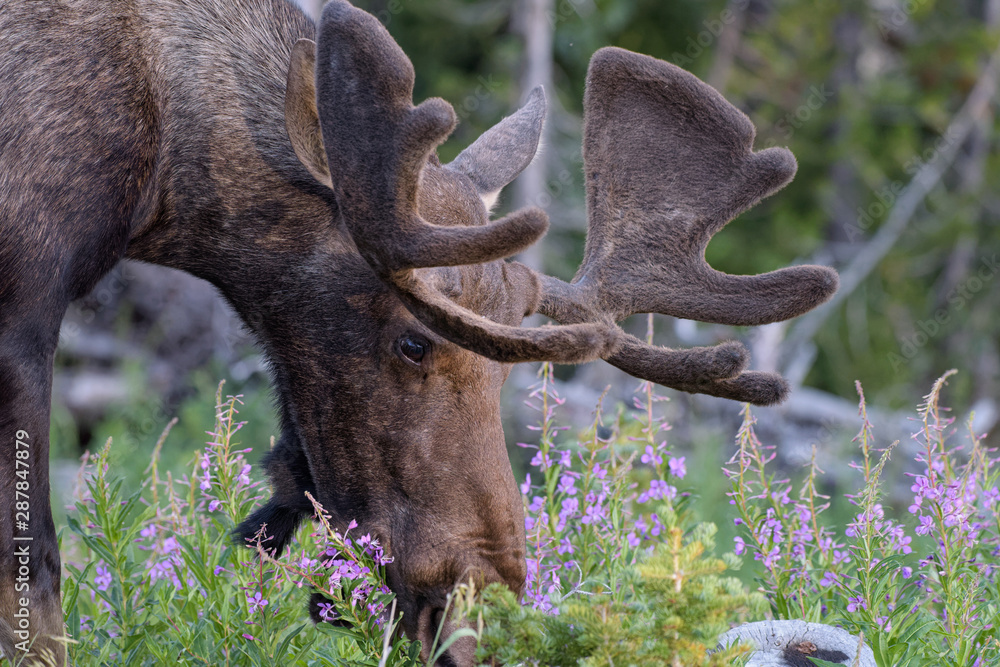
[(889, 106)]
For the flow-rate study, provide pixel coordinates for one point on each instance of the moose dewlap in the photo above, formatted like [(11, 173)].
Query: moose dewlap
[(285, 163)]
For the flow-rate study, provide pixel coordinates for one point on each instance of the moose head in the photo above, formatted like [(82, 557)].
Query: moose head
[(407, 438), (287, 165)]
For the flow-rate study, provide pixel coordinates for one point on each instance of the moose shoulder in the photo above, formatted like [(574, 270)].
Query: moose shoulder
[(286, 164)]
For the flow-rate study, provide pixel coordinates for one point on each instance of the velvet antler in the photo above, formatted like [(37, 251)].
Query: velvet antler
[(669, 162), (379, 146)]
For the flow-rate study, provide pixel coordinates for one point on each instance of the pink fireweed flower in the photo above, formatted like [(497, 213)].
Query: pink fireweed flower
[(841, 556), (781, 497), (922, 488), (594, 511), (541, 460), (565, 547), (376, 609), (770, 558), (740, 547), (853, 604), (570, 506), (360, 593), (256, 602), (651, 457), (526, 487), (565, 459), (102, 577), (567, 485), (326, 611), (898, 539), (677, 467), (658, 490)]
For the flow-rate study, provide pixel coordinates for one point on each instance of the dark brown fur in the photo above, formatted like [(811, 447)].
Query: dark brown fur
[(159, 130)]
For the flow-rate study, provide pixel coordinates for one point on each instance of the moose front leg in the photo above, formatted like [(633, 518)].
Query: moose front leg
[(31, 619)]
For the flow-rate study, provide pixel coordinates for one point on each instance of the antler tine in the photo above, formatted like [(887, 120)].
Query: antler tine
[(380, 143), (378, 146), (669, 163)]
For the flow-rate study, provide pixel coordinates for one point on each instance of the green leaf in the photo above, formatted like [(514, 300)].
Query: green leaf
[(819, 662)]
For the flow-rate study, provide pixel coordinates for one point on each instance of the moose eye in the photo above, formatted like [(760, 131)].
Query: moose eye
[(413, 348)]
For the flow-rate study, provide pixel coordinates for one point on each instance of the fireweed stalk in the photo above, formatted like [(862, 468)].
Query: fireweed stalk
[(349, 573), (617, 571), (585, 521), (163, 581), (153, 577), (922, 590)]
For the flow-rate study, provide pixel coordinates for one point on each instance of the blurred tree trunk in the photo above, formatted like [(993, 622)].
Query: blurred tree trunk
[(729, 45), (843, 203), (533, 21), (961, 262)]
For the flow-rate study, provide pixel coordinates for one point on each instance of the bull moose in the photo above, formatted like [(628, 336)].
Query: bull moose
[(286, 164)]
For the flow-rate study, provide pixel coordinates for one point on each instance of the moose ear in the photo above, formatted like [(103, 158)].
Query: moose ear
[(301, 115), (503, 151)]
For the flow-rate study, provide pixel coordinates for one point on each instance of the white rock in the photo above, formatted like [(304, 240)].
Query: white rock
[(790, 643)]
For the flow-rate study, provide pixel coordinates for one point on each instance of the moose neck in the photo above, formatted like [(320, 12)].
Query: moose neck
[(229, 201)]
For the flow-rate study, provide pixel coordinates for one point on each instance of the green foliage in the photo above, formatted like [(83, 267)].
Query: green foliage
[(153, 577), (922, 590), (619, 573), (615, 576), (676, 604)]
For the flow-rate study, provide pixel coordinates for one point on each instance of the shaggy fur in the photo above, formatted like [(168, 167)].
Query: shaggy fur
[(668, 163)]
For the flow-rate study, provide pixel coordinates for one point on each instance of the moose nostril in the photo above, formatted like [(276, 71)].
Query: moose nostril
[(445, 661), (434, 632), (437, 618)]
